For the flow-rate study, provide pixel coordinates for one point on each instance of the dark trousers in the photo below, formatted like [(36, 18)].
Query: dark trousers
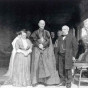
[(65, 74)]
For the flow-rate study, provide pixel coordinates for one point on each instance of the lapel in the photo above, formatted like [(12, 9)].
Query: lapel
[(28, 42), (67, 40), (21, 43)]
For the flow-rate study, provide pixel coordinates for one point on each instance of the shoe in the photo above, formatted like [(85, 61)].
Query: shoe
[(34, 85), (68, 85)]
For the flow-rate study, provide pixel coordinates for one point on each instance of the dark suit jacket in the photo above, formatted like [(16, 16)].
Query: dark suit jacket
[(71, 50)]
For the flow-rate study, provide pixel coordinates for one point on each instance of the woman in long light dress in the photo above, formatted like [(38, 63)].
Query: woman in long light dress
[(10, 69), (84, 35), (21, 67)]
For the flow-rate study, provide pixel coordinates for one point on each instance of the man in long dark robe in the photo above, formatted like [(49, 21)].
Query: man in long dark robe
[(67, 49), (43, 60)]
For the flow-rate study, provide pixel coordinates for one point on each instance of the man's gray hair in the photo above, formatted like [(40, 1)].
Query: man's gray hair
[(65, 26), (41, 21), (85, 21)]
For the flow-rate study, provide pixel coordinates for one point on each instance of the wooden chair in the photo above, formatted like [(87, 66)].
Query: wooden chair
[(82, 67)]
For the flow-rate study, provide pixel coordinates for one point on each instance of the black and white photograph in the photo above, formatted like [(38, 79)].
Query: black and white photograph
[(44, 43)]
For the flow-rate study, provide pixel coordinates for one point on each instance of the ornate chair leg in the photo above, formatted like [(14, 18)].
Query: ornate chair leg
[(80, 77)]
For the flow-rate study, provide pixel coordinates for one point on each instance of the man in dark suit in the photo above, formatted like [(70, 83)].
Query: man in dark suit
[(66, 49)]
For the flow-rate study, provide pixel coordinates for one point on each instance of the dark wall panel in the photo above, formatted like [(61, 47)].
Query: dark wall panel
[(16, 15)]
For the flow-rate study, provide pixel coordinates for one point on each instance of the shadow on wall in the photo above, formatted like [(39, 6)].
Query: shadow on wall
[(6, 35)]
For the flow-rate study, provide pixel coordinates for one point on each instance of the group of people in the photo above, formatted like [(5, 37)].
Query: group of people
[(34, 60)]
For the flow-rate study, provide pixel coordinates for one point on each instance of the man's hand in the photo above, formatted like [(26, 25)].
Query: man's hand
[(40, 46), (73, 59), (86, 50)]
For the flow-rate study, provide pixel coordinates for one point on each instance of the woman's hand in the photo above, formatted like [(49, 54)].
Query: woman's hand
[(26, 53), (27, 48), (30, 50)]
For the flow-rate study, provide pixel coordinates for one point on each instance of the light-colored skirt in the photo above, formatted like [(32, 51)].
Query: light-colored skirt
[(10, 69), (21, 71)]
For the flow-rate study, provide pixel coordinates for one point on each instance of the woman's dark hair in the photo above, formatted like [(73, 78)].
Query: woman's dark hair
[(23, 30), (18, 33)]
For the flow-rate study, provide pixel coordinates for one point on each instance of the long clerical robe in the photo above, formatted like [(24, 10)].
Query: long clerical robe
[(43, 67)]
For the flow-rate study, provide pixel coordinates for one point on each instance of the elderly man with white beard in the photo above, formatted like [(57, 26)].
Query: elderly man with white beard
[(67, 49)]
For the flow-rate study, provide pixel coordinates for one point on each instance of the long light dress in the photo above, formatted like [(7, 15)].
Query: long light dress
[(21, 67), (84, 56)]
